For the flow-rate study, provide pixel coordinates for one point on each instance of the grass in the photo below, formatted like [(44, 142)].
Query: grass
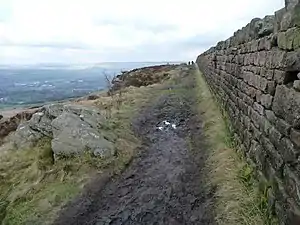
[(33, 187), (238, 200)]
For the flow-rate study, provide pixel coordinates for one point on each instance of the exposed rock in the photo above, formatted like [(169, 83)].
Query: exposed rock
[(287, 105), (1, 117), (73, 135), (297, 85), (265, 26), (72, 128), (92, 97), (295, 137), (11, 124), (290, 4)]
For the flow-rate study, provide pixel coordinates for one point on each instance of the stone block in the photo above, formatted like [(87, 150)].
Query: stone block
[(296, 85), (258, 95), (295, 137), (286, 105), (292, 61), (296, 41), (271, 116), (288, 151), (286, 39), (291, 183), (259, 108), (266, 100), (278, 59), (275, 137), (279, 76), (271, 87), (283, 127), (274, 157)]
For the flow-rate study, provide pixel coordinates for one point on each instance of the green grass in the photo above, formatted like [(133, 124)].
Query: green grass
[(33, 187), (238, 201)]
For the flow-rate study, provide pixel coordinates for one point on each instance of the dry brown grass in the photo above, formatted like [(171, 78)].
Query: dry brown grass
[(237, 203), (33, 188)]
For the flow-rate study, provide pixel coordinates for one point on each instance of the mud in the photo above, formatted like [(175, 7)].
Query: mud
[(164, 184)]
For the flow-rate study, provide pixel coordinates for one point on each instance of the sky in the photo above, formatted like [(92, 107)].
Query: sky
[(91, 31)]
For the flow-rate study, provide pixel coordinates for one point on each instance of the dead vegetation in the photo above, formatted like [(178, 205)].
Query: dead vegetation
[(34, 188), (239, 201)]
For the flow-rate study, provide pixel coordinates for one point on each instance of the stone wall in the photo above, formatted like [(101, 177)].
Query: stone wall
[(255, 75)]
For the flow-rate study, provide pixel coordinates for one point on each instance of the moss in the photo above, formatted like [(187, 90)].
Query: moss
[(296, 43), (296, 15)]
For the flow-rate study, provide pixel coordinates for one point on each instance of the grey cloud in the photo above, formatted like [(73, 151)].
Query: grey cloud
[(173, 50), (55, 45), (137, 25)]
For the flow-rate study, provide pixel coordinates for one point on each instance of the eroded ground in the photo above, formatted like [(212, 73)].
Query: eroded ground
[(164, 184)]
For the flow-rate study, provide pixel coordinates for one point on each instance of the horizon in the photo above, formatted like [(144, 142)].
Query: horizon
[(68, 32)]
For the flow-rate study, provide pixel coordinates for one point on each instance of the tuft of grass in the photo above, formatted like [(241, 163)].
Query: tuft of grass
[(238, 200)]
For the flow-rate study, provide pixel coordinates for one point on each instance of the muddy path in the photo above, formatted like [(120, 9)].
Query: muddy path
[(164, 184)]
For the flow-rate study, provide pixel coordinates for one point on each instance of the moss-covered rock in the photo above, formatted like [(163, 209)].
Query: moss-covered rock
[(296, 43), (296, 15)]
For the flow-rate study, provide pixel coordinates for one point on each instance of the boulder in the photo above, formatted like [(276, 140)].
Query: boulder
[(72, 128), (73, 135)]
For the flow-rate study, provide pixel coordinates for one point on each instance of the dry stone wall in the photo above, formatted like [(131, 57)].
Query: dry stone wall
[(256, 76)]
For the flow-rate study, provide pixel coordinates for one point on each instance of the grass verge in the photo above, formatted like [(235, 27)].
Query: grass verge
[(33, 187), (238, 200)]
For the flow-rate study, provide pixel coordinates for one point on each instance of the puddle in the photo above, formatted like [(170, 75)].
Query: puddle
[(166, 125)]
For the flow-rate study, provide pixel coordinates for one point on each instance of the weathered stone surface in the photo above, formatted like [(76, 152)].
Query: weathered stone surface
[(278, 18), (290, 4), (261, 91), (279, 76), (275, 137), (292, 61), (259, 108), (72, 135), (295, 137), (72, 128), (286, 21), (296, 85), (266, 100), (288, 151), (286, 105), (271, 86), (8, 125), (292, 183)]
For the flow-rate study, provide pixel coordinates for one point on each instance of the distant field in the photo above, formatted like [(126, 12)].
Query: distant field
[(30, 86)]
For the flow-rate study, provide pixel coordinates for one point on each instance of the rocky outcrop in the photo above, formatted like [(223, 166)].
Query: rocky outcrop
[(11, 124), (255, 75), (73, 129)]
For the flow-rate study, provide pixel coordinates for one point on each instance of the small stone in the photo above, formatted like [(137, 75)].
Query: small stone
[(298, 75), (297, 85)]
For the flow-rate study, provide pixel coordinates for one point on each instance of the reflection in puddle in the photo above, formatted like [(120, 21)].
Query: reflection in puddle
[(166, 125)]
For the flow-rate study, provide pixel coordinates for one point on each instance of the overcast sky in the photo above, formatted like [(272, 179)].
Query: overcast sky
[(80, 31)]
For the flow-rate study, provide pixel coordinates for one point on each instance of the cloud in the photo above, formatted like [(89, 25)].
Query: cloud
[(69, 31)]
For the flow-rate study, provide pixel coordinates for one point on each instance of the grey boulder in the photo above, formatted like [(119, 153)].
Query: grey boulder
[(73, 129), (73, 135)]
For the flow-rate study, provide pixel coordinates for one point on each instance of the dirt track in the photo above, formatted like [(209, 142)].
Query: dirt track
[(164, 183)]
